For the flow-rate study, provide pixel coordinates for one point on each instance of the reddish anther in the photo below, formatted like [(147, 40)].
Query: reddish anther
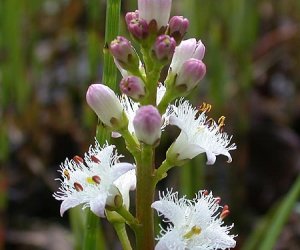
[(96, 179), (225, 212), (205, 192), (218, 200), (78, 187), (95, 159), (78, 159)]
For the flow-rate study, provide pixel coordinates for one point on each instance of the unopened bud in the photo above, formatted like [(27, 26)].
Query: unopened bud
[(131, 16), (147, 125), (124, 53), (178, 26), (190, 74), (157, 10), (133, 86), (138, 28), (106, 105), (164, 48), (187, 49)]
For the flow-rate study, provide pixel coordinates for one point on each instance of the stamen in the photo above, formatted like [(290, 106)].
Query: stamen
[(78, 159), (93, 180), (225, 212), (95, 159), (221, 121), (204, 107), (96, 179), (78, 187), (66, 174), (194, 231), (205, 192), (218, 200), (209, 122)]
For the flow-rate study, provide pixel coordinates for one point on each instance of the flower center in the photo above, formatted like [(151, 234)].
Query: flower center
[(194, 231)]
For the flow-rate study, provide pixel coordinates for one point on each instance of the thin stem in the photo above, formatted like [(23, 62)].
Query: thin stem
[(131, 142), (122, 235), (144, 198), (130, 219), (165, 101), (161, 172)]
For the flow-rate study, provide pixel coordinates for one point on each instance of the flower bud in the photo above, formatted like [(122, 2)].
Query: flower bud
[(178, 26), (133, 86), (106, 105), (157, 10), (147, 125), (187, 49), (131, 16), (138, 28), (191, 72), (124, 53), (164, 47)]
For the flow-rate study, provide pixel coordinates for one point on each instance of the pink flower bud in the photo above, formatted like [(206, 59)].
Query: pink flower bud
[(138, 28), (147, 125), (178, 26), (131, 16), (164, 47), (132, 86), (187, 49), (191, 72), (124, 53), (105, 104), (158, 10)]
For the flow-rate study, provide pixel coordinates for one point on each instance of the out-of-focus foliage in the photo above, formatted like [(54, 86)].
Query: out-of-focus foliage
[(51, 50)]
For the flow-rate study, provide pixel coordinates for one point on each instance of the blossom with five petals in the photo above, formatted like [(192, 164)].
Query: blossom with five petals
[(93, 181), (193, 224), (198, 135)]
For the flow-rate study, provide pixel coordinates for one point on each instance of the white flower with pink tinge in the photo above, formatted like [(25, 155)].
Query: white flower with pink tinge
[(193, 224), (94, 181), (198, 134)]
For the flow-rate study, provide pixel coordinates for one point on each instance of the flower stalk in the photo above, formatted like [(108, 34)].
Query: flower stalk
[(144, 198)]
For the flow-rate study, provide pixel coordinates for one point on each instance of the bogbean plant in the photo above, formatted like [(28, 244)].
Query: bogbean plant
[(102, 183)]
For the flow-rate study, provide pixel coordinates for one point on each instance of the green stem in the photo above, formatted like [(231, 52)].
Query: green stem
[(122, 234), (110, 79), (131, 142), (91, 231), (161, 172), (144, 198), (112, 24), (130, 219), (153, 70), (165, 101)]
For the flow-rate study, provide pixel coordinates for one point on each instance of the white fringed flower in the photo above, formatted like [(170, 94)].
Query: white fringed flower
[(193, 224), (93, 181), (198, 134)]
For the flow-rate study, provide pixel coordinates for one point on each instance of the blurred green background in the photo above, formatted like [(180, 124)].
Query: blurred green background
[(51, 51)]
